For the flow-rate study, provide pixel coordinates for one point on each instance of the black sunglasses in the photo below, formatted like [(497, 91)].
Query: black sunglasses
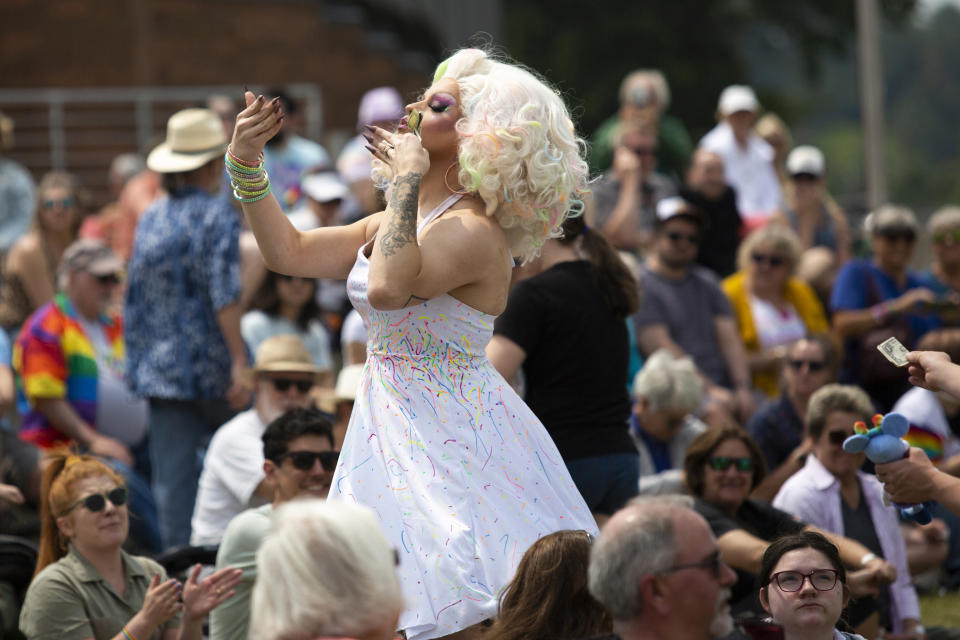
[(304, 460), (893, 235), (110, 279), (283, 384), (722, 463), (98, 501), (675, 236), (762, 258), (813, 365), (838, 436)]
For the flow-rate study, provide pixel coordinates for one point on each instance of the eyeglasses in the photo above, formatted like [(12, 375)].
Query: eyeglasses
[(722, 463), (762, 258), (820, 579), (98, 501), (65, 203), (675, 237), (805, 177), (942, 236), (838, 436), (110, 279), (712, 563), (283, 384), (304, 460), (813, 365)]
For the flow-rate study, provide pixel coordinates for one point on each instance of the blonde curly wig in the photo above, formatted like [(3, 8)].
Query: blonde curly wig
[(518, 150)]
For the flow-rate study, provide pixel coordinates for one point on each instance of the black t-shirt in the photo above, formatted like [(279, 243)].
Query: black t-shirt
[(718, 249), (576, 363), (758, 519)]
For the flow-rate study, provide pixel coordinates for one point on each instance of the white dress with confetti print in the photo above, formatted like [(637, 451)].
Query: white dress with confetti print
[(460, 472)]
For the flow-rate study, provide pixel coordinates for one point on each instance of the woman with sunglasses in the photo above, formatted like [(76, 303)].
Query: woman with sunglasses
[(287, 305), (832, 493), (30, 267), (803, 586), (943, 277), (723, 465), (773, 308), (878, 298), (86, 586)]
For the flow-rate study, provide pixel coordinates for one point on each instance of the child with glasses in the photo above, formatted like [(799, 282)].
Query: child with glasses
[(832, 493), (803, 586), (82, 568)]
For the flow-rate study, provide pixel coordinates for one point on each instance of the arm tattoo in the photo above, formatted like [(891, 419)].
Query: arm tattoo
[(403, 224), (413, 300)]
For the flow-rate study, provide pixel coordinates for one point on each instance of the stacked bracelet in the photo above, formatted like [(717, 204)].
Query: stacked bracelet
[(126, 633), (249, 180)]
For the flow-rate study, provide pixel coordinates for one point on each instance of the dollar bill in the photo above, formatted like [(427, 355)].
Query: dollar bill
[(894, 351)]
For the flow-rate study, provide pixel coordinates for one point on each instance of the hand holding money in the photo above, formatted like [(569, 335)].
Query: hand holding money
[(933, 370)]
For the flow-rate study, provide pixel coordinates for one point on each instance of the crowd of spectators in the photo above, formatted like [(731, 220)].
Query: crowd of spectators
[(707, 328)]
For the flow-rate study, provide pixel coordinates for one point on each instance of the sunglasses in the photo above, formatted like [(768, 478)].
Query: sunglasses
[(792, 581), (896, 235), (676, 237), (283, 384), (762, 258), (110, 279), (644, 151), (722, 463), (304, 460), (288, 278), (814, 366), (942, 236), (838, 436), (65, 203), (712, 563), (98, 501)]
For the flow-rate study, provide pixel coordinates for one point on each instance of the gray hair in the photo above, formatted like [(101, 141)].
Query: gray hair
[(325, 569), (836, 397), (626, 552), (652, 80), (668, 382)]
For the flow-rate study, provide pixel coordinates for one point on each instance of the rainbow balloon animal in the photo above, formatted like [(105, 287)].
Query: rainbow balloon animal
[(885, 443)]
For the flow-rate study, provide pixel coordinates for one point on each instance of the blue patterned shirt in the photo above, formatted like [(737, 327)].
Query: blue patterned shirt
[(185, 268)]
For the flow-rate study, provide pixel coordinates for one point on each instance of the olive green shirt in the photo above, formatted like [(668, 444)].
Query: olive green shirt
[(70, 600), (238, 550)]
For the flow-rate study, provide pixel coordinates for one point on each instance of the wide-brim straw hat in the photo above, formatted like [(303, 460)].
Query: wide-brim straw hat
[(194, 137)]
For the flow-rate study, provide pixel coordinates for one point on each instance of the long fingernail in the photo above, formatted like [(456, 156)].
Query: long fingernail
[(245, 89), (367, 138), (276, 100), (370, 127), (371, 149)]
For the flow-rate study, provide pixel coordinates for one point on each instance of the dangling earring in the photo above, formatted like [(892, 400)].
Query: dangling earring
[(451, 189)]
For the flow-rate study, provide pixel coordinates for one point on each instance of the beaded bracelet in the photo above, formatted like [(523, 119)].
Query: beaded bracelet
[(126, 633), (250, 182)]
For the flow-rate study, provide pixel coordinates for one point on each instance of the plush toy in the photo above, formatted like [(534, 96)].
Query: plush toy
[(884, 443)]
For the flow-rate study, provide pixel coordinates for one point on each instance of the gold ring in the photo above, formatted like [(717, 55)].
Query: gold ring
[(219, 591)]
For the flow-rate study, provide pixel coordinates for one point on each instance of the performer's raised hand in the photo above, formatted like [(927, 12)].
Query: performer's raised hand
[(401, 152), (257, 123)]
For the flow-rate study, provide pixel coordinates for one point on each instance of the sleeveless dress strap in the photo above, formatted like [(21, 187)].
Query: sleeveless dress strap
[(440, 208)]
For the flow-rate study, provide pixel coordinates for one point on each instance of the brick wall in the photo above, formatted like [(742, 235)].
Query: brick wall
[(143, 43)]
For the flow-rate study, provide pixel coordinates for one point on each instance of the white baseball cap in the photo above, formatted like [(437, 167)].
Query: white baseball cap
[(737, 97), (325, 186), (806, 159)]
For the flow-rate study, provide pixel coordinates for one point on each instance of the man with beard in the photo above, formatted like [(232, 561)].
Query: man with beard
[(299, 461), (288, 156), (685, 311), (656, 568), (233, 477), (707, 189)]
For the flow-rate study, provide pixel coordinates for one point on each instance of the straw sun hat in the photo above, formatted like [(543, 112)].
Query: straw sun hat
[(194, 137)]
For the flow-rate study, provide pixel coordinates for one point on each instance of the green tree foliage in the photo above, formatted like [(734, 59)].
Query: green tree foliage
[(587, 47)]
